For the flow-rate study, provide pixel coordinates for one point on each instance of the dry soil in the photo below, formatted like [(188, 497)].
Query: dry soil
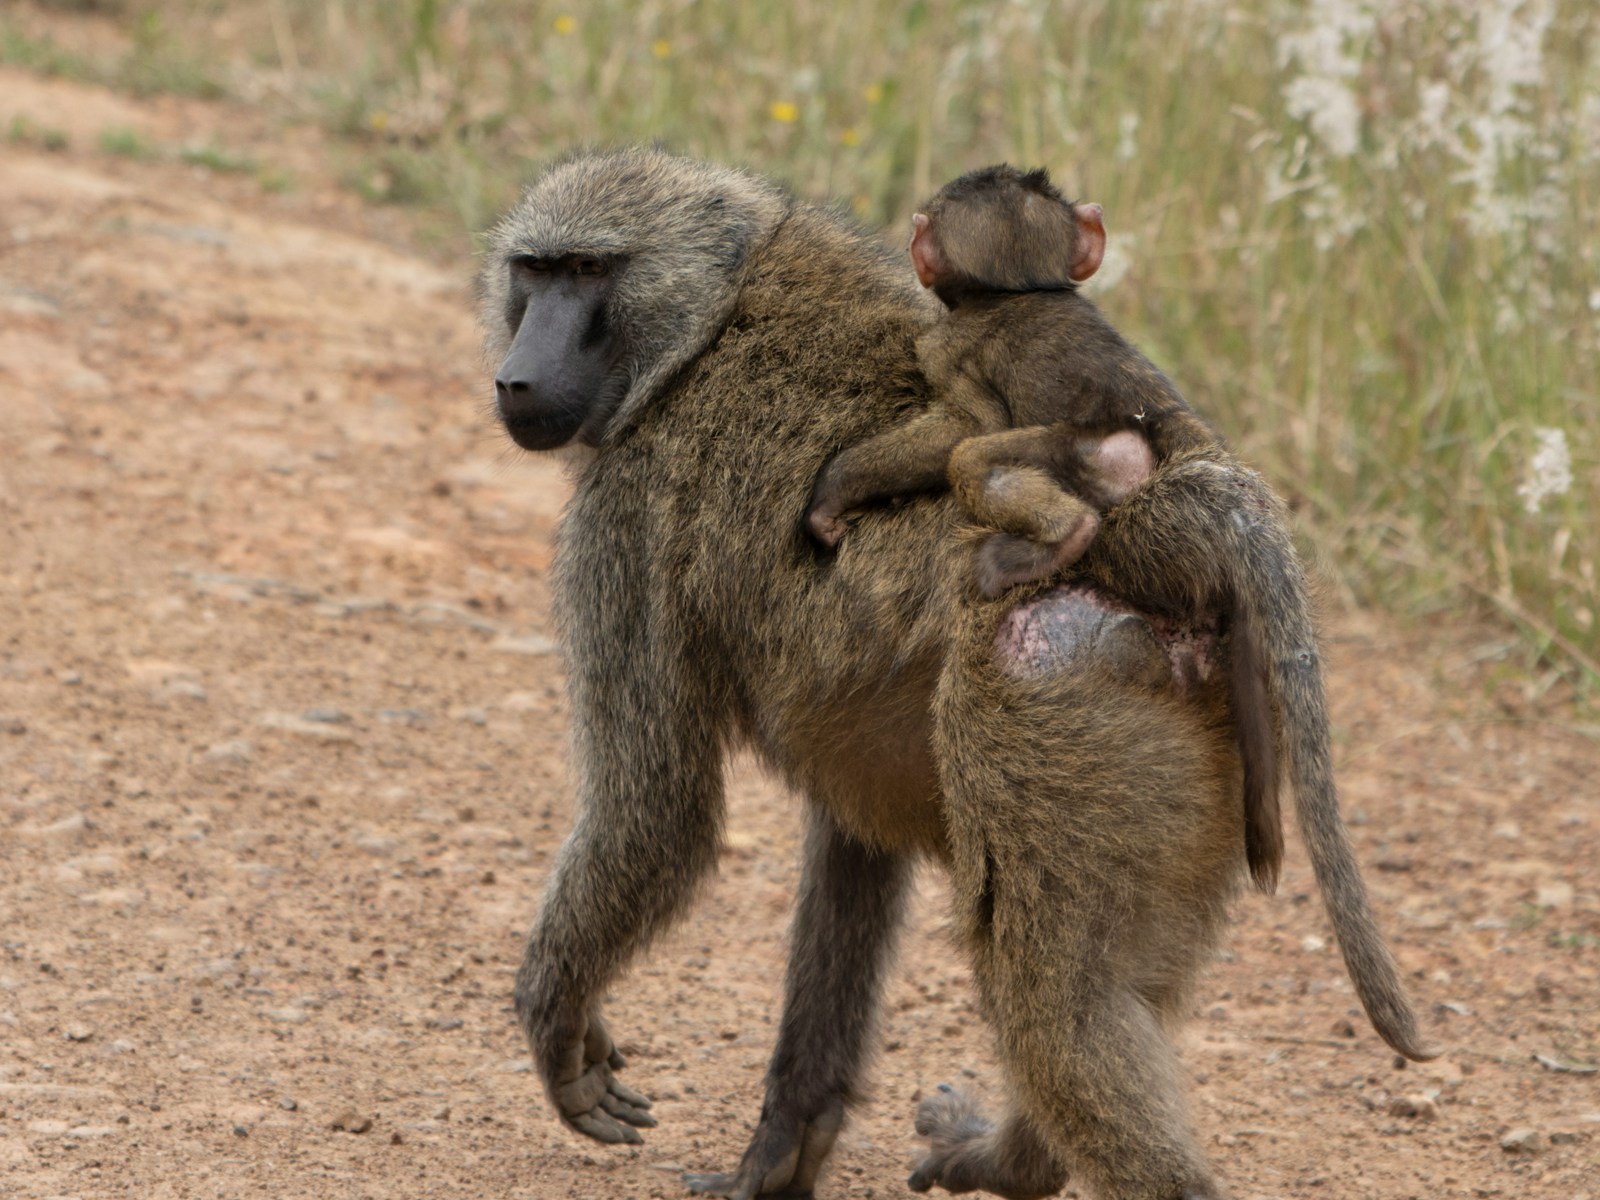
[(282, 770)]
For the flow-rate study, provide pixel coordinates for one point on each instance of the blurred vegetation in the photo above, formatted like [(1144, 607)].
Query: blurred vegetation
[(1359, 236)]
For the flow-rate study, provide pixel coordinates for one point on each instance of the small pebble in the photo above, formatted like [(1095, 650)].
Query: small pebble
[(78, 1033), (240, 1131), (352, 1122), (1522, 1141), (287, 1103), (235, 751), (1417, 1106)]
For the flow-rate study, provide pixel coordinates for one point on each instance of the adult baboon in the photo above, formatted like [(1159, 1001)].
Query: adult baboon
[(708, 342)]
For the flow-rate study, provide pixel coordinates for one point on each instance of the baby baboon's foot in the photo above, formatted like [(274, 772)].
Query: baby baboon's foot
[(967, 1154), (1005, 560)]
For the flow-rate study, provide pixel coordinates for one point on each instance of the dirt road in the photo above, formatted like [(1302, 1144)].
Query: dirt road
[(282, 769)]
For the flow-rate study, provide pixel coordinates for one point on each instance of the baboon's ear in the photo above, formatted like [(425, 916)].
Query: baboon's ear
[(925, 256), (1091, 241)]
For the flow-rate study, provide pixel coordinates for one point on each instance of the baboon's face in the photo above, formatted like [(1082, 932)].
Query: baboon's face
[(561, 379)]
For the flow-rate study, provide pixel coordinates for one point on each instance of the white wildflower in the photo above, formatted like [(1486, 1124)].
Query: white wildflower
[(1330, 106), (1433, 103), (1549, 471), (1127, 130)]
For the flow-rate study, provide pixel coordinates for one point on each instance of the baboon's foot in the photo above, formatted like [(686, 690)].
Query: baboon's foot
[(1005, 560), (781, 1162), (967, 1153)]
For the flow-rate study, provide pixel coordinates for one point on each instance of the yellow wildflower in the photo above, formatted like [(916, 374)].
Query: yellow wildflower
[(783, 110), (873, 92), (379, 120), (661, 48), (850, 137), (566, 24)]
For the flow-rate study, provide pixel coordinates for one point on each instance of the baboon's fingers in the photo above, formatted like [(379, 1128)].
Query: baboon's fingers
[(740, 1186), (781, 1163), (597, 1105), (625, 1093), (815, 1144), (603, 1129), (1004, 561), (622, 1110), (710, 1183)]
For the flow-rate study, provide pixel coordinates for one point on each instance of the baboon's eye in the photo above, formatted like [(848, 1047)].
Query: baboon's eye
[(589, 266), (534, 266)]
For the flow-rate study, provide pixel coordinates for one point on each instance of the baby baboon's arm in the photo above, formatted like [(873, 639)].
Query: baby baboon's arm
[(901, 461)]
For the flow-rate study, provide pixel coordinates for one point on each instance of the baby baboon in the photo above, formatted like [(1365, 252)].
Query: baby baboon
[(1020, 350), (699, 334), (1042, 411)]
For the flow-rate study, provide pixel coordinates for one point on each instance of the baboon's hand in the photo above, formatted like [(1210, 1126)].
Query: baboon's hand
[(781, 1162), (587, 1094)]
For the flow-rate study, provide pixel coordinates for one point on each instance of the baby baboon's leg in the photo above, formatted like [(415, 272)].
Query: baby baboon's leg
[(1041, 487), (846, 919), (1022, 500)]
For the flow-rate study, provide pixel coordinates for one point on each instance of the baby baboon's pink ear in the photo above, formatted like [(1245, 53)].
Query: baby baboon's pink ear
[(925, 257), (1091, 241)]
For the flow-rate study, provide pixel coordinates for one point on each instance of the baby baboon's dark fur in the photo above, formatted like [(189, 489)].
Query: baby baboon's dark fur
[(1027, 375), (709, 342)]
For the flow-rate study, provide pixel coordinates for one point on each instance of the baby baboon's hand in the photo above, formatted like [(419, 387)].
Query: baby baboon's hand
[(825, 524), (580, 1076)]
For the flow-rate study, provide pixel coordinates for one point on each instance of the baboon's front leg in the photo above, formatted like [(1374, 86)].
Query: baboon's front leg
[(844, 932), (649, 822)]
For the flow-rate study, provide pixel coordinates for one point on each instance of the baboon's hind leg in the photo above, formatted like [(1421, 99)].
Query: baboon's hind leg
[(968, 1152), (1100, 1077)]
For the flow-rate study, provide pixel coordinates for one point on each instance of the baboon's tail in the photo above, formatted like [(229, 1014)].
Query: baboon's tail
[(1205, 530), (1276, 587), (1250, 691)]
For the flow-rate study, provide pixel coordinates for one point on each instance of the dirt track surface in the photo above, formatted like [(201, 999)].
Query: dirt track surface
[(282, 770)]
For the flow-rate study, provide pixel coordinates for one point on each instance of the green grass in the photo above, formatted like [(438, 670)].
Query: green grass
[(215, 158), (23, 132), (1382, 314), (128, 143)]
